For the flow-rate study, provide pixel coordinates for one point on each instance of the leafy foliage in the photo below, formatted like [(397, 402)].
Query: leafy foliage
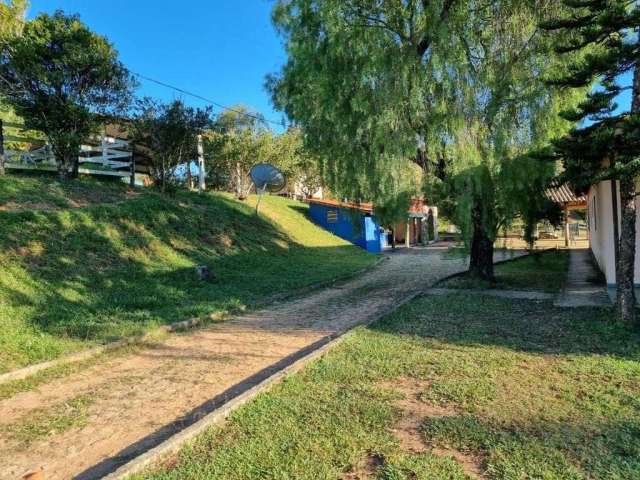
[(601, 40), (58, 76), (454, 86), (288, 153), (233, 144), (603, 34), (12, 15), (168, 132)]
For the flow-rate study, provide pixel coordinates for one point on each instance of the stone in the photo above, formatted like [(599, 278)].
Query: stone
[(204, 273), (34, 475)]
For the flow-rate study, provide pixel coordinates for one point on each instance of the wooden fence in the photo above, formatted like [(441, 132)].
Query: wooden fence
[(106, 156)]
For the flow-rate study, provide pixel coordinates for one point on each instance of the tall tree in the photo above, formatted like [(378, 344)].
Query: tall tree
[(168, 132), (287, 152), (58, 76), (235, 143), (601, 37), (453, 85)]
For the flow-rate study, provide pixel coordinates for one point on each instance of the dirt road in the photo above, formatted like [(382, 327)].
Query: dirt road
[(90, 422)]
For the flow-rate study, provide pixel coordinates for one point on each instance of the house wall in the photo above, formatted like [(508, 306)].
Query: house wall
[(353, 226), (601, 231)]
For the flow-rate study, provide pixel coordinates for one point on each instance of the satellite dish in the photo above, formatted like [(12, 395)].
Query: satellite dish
[(266, 178)]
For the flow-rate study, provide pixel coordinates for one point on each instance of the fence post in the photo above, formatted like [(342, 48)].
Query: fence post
[(1, 149), (132, 176), (407, 235), (201, 185)]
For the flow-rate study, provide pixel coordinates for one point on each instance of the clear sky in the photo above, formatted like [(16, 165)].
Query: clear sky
[(220, 49)]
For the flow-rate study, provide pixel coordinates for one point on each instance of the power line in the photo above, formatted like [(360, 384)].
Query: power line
[(208, 100)]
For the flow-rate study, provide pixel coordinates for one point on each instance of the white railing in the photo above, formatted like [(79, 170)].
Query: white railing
[(111, 157)]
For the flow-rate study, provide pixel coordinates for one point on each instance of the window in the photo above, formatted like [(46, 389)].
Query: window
[(594, 209)]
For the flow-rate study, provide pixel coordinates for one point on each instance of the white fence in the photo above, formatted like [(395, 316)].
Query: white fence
[(111, 156)]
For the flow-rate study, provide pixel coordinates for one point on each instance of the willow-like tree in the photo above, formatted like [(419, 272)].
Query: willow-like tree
[(454, 86), (602, 38)]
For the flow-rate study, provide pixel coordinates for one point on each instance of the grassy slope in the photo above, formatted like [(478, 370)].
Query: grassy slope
[(533, 391), (545, 272), (92, 261)]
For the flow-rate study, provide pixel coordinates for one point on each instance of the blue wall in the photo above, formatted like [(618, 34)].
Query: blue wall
[(366, 233)]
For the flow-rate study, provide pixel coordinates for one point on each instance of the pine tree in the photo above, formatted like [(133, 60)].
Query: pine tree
[(601, 36)]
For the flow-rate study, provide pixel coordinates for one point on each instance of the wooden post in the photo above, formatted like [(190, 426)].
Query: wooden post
[(407, 235), (132, 175), (566, 226), (1, 149), (201, 185)]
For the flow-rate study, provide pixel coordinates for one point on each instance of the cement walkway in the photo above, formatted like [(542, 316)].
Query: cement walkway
[(130, 403), (511, 294), (582, 288)]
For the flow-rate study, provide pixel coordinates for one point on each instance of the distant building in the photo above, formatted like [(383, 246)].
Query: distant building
[(357, 224)]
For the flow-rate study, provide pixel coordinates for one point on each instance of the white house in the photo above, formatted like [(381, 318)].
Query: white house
[(604, 225)]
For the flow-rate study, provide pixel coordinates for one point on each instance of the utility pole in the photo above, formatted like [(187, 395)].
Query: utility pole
[(201, 185)]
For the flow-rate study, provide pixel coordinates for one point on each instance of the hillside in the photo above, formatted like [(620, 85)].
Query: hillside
[(93, 261)]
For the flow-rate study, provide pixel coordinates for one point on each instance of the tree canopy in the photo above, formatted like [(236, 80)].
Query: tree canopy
[(168, 133), (12, 18), (601, 40), (454, 86), (59, 76)]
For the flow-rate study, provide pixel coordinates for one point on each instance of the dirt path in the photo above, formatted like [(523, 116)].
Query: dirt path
[(127, 404)]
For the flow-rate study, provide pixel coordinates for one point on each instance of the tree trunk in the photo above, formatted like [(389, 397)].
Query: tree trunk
[(481, 263), (63, 169), (625, 270), (1, 149), (189, 176), (75, 166), (626, 298)]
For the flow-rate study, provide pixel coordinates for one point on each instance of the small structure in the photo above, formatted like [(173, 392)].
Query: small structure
[(353, 222), (564, 196), (420, 228), (356, 223)]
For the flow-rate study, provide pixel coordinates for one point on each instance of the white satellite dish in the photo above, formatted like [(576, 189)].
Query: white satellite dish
[(266, 178)]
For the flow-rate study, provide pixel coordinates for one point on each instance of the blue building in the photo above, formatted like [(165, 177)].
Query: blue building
[(354, 223)]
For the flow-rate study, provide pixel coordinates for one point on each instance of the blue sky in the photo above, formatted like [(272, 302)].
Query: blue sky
[(220, 49)]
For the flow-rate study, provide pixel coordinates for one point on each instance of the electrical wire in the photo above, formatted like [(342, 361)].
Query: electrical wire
[(208, 100)]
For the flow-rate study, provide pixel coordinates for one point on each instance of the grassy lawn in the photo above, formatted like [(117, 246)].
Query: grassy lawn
[(544, 272), (499, 389), (92, 261)]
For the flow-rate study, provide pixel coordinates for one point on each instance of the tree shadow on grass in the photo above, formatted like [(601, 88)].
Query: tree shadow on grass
[(527, 326), (107, 271), (301, 210), (539, 391), (543, 448)]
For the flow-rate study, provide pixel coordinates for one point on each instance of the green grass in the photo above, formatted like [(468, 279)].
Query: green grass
[(544, 272), (534, 392), (118, 263)]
